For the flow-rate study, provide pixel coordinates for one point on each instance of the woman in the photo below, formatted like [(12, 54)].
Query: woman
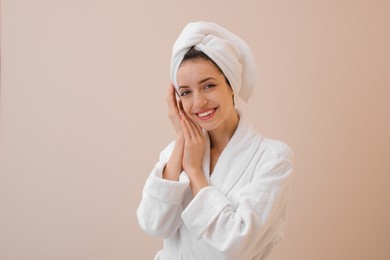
[(220, 190)]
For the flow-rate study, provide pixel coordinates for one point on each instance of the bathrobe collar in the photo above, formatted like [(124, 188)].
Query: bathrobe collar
[(234, 159)]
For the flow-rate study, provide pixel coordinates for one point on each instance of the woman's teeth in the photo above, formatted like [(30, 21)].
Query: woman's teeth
[(205, 113)]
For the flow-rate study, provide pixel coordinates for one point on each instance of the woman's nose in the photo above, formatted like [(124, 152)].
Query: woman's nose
[(199, 100)]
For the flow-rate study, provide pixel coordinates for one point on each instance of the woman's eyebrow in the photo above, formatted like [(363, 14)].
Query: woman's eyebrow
[(200, 82), (180, 87), (206, 79)]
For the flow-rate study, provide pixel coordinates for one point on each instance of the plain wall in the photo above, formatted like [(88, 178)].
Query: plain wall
[(84, 117)]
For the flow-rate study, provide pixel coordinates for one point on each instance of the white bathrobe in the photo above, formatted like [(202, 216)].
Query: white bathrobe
[(241, 215)]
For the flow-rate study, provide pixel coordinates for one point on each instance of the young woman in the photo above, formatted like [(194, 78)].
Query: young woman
[(220, 190)]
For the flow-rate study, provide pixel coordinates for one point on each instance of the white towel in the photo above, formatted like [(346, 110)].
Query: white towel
[(227, 50)]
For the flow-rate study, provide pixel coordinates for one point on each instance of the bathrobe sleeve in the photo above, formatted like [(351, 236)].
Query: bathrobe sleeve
[(159, 213), (253, 220)]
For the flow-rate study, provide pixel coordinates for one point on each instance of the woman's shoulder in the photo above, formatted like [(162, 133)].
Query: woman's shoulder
[(276, 149), (269, 147)]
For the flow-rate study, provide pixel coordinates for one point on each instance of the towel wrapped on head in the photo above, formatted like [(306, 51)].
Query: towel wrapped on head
[(232, 55)]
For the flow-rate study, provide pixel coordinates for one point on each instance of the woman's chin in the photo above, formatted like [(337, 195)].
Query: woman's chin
[(208, 126)]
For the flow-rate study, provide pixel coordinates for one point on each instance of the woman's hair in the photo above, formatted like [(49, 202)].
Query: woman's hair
[(194, 54)]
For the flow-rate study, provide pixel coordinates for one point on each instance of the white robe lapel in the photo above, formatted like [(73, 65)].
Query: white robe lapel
[(206, 158), (235, 158)]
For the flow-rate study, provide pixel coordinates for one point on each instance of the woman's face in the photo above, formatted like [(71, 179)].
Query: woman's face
[(206, 97)]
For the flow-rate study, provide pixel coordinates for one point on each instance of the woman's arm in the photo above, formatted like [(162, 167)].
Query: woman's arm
[(159, 213), (174, 166), (255, 220)]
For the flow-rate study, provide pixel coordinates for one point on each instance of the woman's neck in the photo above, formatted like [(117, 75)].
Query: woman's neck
[(221, 136)]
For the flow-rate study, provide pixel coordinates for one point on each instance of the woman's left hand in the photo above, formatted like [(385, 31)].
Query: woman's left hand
[(194, 146)]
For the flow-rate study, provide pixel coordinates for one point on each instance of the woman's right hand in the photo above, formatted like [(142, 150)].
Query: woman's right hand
[(174, 111), (174, 165)]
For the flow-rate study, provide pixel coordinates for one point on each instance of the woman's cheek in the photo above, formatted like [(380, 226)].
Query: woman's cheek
[(186, 107)]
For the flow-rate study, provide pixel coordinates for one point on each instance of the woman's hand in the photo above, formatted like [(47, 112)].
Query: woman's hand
[(174, 108), (174, 165), (189, 147), (194, 146)]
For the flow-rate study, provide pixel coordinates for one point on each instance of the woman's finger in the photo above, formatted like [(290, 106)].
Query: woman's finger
[(172, 98), (180, 107), (195, 130), (173, 110), (199, 131), (186, 132), (189, 126)]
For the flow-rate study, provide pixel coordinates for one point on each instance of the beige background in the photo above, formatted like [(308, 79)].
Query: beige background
[(83, 119)]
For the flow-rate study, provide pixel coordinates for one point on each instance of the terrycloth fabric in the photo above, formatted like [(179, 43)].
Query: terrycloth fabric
[(232, 55), (241, 215)]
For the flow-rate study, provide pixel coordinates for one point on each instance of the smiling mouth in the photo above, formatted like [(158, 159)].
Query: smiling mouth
[(207, 114)]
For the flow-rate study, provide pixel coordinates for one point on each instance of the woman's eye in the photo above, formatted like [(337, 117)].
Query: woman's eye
[(184, 93), (209, 86)]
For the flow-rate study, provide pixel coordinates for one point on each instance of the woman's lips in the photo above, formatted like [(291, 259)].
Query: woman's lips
[(207, 114)]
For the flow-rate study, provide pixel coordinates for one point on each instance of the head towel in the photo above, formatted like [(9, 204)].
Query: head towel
[(232, 55)]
